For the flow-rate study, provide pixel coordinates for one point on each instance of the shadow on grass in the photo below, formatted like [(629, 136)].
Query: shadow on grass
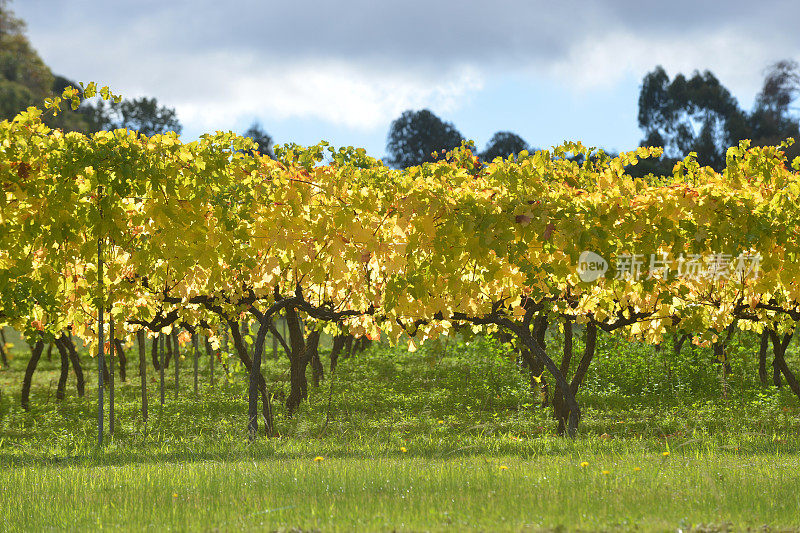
[(124, 453)]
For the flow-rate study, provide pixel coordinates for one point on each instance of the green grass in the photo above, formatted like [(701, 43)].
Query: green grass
[(480, 454), (283, 487)]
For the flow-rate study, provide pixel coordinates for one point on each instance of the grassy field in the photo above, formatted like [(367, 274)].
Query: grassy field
[(446, 439)]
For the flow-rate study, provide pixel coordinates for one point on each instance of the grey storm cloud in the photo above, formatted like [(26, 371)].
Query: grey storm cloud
[(499, 32), (360, 63)]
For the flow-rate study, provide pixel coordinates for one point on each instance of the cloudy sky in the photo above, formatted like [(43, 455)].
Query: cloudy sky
[(342, 71)]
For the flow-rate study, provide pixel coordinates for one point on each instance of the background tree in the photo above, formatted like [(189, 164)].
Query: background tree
[(416, 134), (772, 119), (696, 114), (143, 114), (699, 114), (264, 139), (24, 78), (504, 144), (9, 23)]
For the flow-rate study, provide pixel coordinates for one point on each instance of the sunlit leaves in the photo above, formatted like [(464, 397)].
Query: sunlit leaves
[(205, 229)]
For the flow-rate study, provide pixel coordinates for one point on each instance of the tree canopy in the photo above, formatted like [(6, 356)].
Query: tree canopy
[(698, 114), (772, 120), (415, 135), (504, 144), (24, 78), (143, 114), (262, 138)]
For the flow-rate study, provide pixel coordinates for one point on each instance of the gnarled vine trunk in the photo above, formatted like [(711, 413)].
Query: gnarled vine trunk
[(255, 374), (297, 362), (154, 353), (779, 348), (64, 374), (36, 354), (529, 341), (76, 364), (122, 359), (762, 358), (266, 401), (580, 374), (338, 344), (312, 358)]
